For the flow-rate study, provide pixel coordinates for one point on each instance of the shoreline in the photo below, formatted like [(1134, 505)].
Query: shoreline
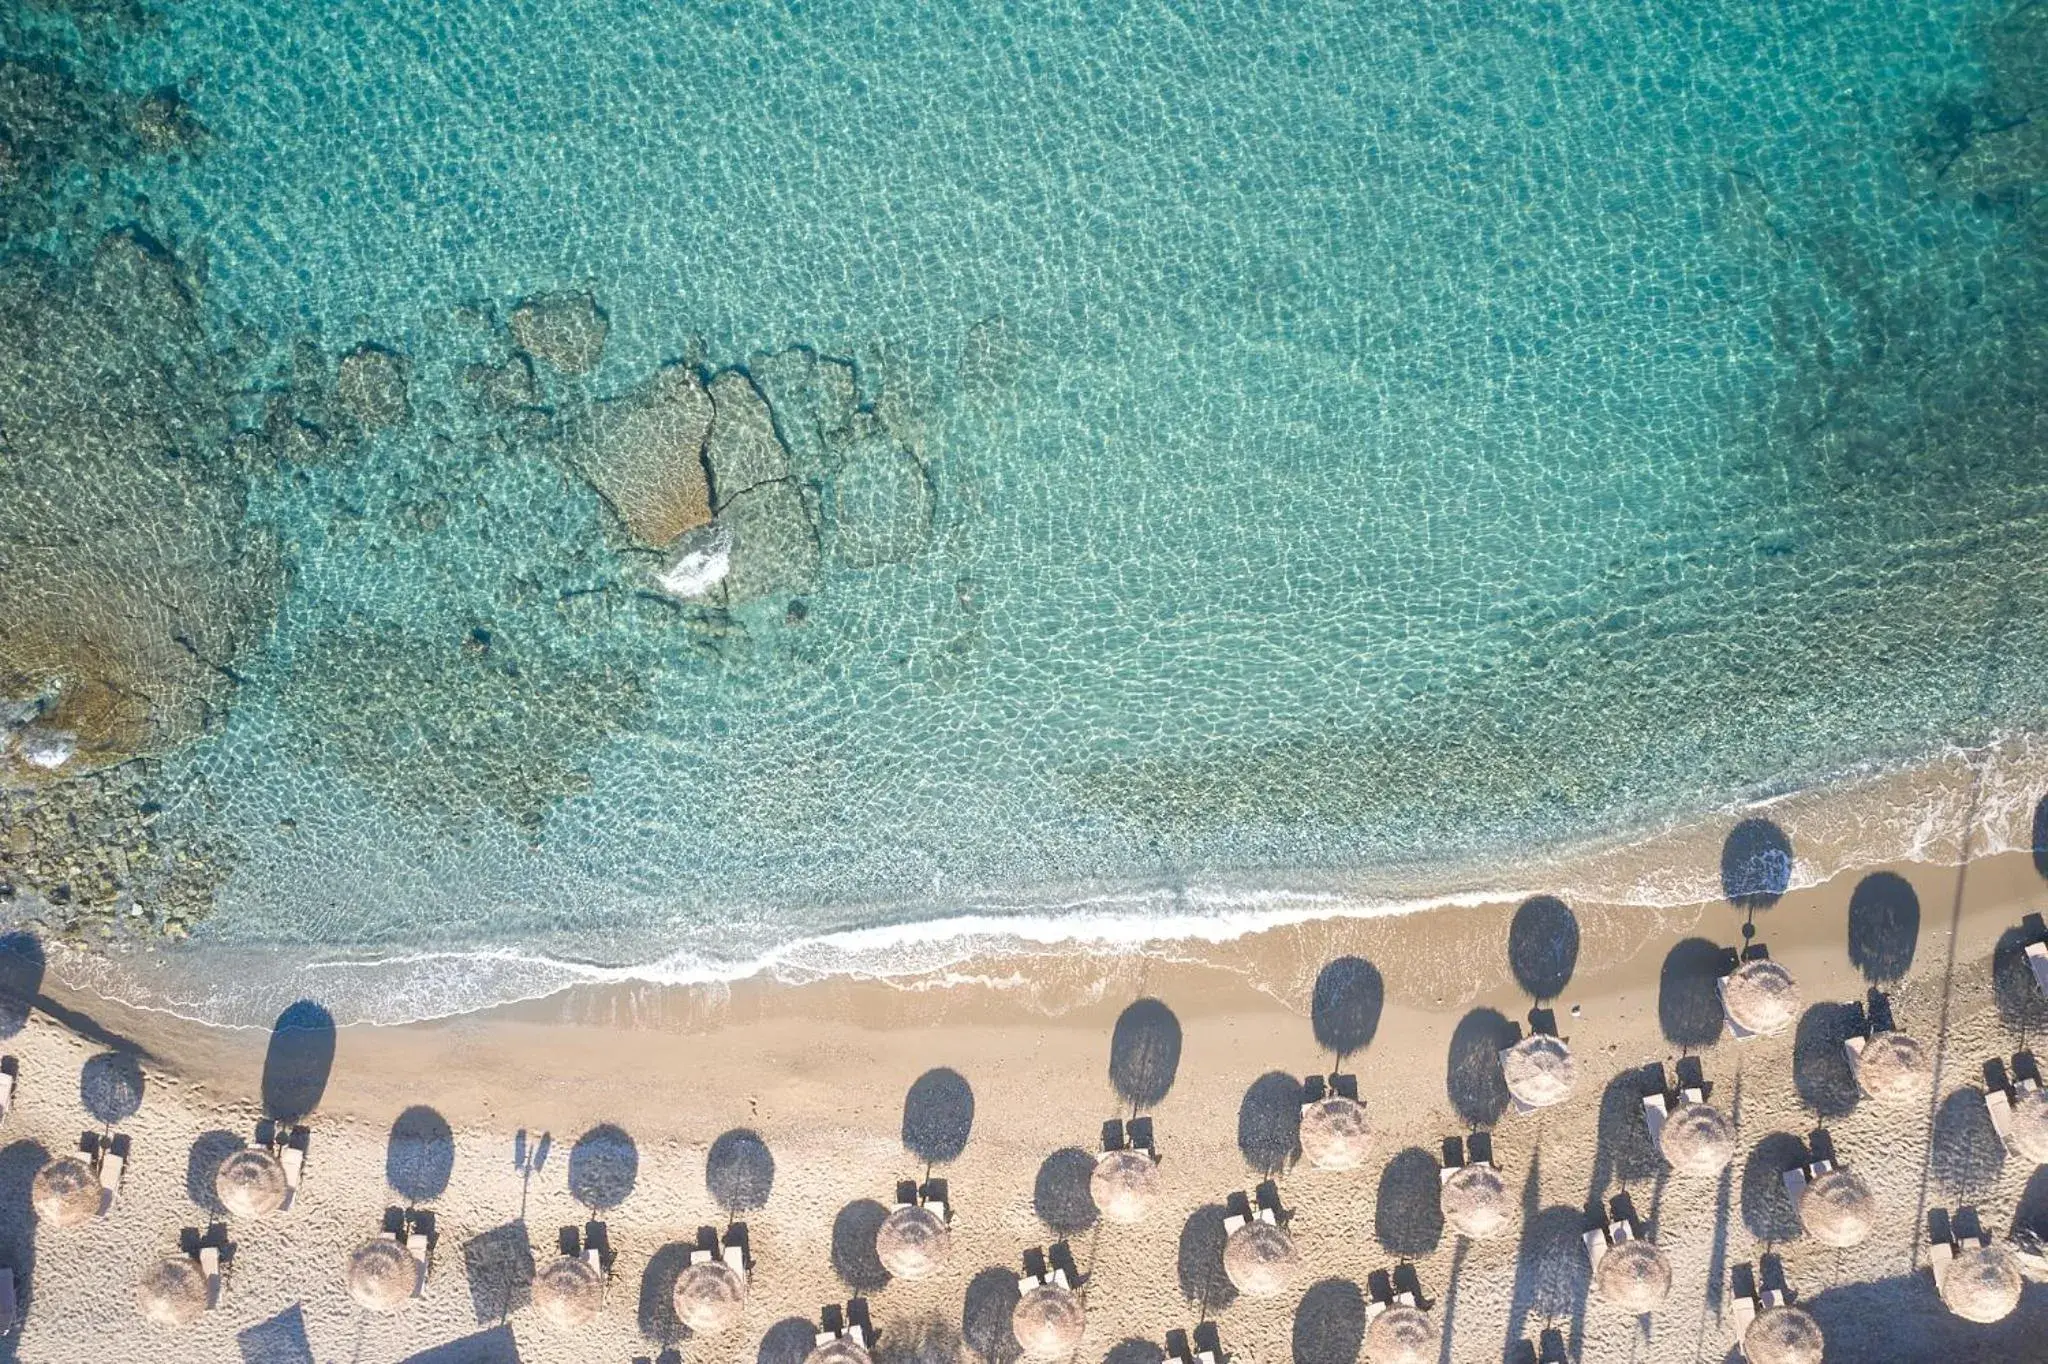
[(826, 1074), (1860, 818)]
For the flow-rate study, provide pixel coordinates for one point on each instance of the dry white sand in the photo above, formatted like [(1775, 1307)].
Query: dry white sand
[(821, 1072)]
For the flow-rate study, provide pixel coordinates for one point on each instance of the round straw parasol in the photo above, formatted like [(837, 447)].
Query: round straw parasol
[(913, 1242), (1259, 1258), (2030, 1126), (66, 1193), (569, 1293), (1475, 1202), (839, 1350), (1336, 1134), (1539, 1070), (382, 1275), (1634, 1276), (250, 1183), (1125, 1185), (172, 1292), (1048, 1321), (1893, 1067), (708, 1297), (1982, 1283), (1783, 1335), (1761, 996), (1402, 1335), (1837, 1209), (1697, 1140)]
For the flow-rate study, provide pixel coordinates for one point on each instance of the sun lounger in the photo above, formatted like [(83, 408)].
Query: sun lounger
[(6, 1094), (1205, 1357), (2037, 961), (1059, 1277), (294, 1162), (1269, 1216), (826, 1337), (1655, 1111), (10, 1308), (735, 1258), (937, 1208), (1854, 1046), (1795, 1184), (1233, 1222), (1693, 1095), (110, 1178), (1405, 1298), (209, 1265), (1027, 1282), (1743, 1309), (416, 1245), (1998, 1103), (1596, 1246), (860, 1336)]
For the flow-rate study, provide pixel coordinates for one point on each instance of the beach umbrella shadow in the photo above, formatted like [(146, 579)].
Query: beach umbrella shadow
[(1132, 1350), (739, 1171), (499, 1267), (921, 1340), (854, 1258), (1766, 1208), (1622, 1148), (985, 1316), (280, 1340), (1061, 1195), (1144, 1053), (21, 979), (1329, 1323), (938, 1116), (1688, 997), (656, 1315), (202, 1164), (2021, 1005), (604, 1166), (1543, 947), (110, 1086), (1472, 1074), (1408, 1216), (298, 1061), (788, 1341), (1269, 1123), (1756, 865), (2041, 836), (1200, 1264), (1820, 1062), (1884, 927), (1966, 1153), (19, 1162), (1345, 1009), (419, 1158)]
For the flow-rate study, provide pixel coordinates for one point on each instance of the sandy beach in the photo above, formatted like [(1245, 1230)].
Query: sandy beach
[(798, 1108)]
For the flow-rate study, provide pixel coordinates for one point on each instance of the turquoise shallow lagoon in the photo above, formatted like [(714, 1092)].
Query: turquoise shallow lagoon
[(1361, 441)]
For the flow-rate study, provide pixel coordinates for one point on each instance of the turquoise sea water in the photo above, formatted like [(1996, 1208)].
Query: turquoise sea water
[(1362, 440)]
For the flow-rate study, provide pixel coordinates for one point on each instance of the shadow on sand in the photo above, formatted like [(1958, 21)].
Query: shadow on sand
[(1144, 1053), (739, 1171), (1329, 1324), (1543, 947), (1345, 1009), (1756, 865), (420, 1156), (1200, 1264), (1269, 1122), (985, 1316), (1060, 1196), (938, 1116), (853, 1246), (604, 1167), (1688, 1000), (1408, 1215), (1884, 927), (21, 979), (1472, 1077), (297, 1062)]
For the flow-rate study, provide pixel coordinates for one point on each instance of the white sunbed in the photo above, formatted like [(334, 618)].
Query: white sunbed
[(735, 1257), (1854, 1046), (1596, 1245), (209, 1265), (860, 1337), (1269, 1217), (937, 1207), (826, 1337), (1693, 1094), (1743, 1309), (6, 1095), (2037, 961), (110, 1178), (1233, 1222), (294, 1162), (1655, 1112), (1027, 1282), (416, 1246), (1998, 1103)]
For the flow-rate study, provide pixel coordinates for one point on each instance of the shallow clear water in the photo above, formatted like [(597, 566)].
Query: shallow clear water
[(1362, 440)]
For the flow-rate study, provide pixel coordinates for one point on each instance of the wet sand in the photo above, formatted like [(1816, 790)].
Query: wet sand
[(797, 1107)]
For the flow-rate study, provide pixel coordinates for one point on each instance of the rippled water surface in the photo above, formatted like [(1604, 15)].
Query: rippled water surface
[(1344, 440)]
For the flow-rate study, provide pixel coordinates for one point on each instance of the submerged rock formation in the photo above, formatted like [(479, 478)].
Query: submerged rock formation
[(131, 584), (565, 330), (371, 385), (643, 452)]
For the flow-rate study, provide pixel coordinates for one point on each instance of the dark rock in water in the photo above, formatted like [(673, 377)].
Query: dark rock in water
[(881, 506), (814, 400), (164, 123), (51, 122), (643, 452), (503, 388), (371, 387), (132, 580), (565, 330), (775, 544), (742, 450)]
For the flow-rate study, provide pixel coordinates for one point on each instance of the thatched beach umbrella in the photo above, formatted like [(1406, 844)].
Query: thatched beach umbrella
[(839, 1350), (1892, 1067), (569, 1293), (708, 1297), (1783, 1335), (1761, 997), (1982, 1283), (382, 1275), (66, 1193), (1838, 1209), (913, 1242), (1125, 1185), (1475, 1202), (1402, 1335), (1049, 1321), (2030, 1126), (250, 1183), (172, 1292), (1698, 1140), (1539, 1070), (1336, 1134), (1634, 1276), (1260, 1259)]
